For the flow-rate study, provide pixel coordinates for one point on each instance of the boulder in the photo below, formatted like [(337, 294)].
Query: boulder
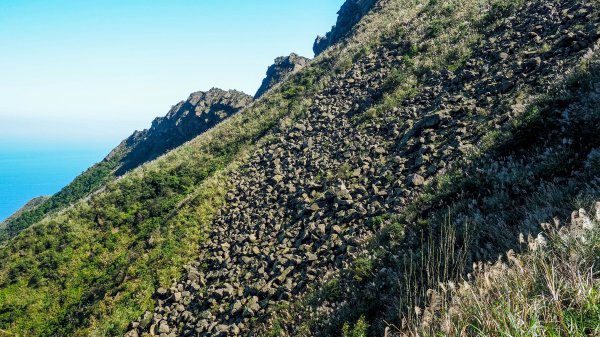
[(164, 327), (415, 180)]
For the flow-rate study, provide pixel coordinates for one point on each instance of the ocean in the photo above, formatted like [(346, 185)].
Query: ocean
[(32, 170)]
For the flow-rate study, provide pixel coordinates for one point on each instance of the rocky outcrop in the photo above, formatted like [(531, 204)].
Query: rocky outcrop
[(349, 15), (280, 70), (186, 120)]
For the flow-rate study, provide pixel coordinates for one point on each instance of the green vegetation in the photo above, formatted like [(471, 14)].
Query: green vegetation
[(362, 269), (358, 330), (92, 268), (84, 184), (331, 289), (276, 330)]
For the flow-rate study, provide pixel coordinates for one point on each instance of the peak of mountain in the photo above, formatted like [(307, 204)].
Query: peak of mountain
[(350, 14), (186, 120), (278, 72)]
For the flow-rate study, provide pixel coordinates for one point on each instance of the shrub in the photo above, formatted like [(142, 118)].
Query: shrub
[(359, 329), (362, 268), (592, 164)]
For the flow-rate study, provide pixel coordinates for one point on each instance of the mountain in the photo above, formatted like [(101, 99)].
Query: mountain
[(348, 16), (406, 157), (186, 120), (280, 70), (31, 204)]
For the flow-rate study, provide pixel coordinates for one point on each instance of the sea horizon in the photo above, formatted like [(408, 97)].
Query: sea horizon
[(35, 168)]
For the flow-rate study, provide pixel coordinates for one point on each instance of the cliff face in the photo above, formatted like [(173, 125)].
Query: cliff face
[(186, 120), (350, 13), (283, 66)]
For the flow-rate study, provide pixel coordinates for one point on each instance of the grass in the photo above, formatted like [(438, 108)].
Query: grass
[(362, 269), (551, 290)]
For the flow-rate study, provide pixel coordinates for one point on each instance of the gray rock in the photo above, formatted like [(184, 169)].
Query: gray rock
[(415, 180), (162, 293), (186, 120), (132, 333), (532, 64), (237, 306), (164, 327), (277, 178), (312, 257), (222, 328), (146, 319)]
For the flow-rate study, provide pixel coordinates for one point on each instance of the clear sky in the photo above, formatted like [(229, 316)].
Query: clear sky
[(93, 71)]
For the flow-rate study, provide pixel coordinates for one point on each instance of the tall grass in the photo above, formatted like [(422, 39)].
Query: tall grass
[(443, 257), (551, 290)]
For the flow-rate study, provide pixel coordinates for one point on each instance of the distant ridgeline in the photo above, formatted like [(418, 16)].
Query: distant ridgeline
[(185, 121)]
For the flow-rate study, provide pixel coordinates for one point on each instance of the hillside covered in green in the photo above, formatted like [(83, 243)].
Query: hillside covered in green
[(361, 196)]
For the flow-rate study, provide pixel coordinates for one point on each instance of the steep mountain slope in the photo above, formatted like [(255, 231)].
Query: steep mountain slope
[(92, 268), (320, 209), (540, 165), (307, 203), (186, 120), (31, 204)]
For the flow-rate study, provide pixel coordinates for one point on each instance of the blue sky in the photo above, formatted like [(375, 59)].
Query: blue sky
[(93, 71)]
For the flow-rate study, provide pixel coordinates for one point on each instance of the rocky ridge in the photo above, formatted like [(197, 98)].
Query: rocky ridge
[(280, 70), (350, 13), (186, 120), (301, 208)]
